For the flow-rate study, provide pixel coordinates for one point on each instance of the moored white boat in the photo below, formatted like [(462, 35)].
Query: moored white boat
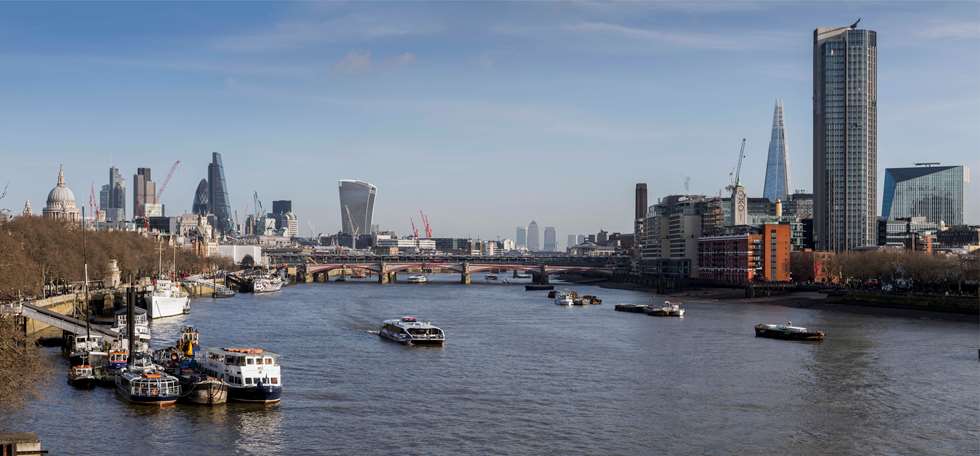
[(417, 278), (147, 384), (140, 323), (667, 310), (266, 284), (167, 299)]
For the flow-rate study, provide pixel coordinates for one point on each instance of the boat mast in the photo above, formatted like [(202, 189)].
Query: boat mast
[(159, 256), (175, 261), (85, 269)]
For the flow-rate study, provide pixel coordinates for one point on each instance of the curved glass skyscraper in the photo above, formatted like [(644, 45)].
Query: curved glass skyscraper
[(356, 206), (932, 191), (201, 199)]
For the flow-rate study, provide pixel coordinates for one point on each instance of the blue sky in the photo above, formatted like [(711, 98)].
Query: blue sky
[(485, 115)]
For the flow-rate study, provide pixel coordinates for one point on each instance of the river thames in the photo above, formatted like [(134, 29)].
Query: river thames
[(520, 375)]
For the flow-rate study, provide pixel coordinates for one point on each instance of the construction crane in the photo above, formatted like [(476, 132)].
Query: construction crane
[(259, 210), (166, 180), (425, 225), (3, 193), (736, 175), (415, 230)]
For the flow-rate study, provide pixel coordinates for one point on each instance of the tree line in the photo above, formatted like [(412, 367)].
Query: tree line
[(34, 250)]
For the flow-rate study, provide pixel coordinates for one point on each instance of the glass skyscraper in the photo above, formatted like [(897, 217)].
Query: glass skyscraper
[(356, 206), (201, 199), (550, 239), (933, 192), (777, 165), (218, 201), (845, 138), (112, 198), (533, 237), (521, 237)]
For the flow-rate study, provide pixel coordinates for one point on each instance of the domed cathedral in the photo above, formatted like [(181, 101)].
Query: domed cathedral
[(61, 202)]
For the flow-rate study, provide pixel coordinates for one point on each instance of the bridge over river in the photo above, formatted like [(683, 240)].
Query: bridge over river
[(317, 266)]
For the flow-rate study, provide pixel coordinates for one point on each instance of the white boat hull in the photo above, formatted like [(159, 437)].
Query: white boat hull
[(161, 306)]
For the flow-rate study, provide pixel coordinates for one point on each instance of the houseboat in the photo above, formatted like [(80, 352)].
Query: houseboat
[(411, 331), (82, 376), (250, 374)]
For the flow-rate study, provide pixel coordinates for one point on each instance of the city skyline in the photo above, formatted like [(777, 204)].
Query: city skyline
[(629, 41)]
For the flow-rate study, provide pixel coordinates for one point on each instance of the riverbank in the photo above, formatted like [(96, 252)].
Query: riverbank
[(854, 302)]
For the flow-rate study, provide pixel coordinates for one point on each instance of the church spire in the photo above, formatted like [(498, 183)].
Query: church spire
[(61, 175)]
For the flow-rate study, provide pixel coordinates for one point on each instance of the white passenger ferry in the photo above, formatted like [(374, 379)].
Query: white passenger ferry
[(251, 374), (410, 331), (167, 299), (417, 278), (564, 298)]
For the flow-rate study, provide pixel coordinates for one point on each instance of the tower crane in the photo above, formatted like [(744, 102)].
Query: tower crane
[(425, 225), (738, 169), (415, 230), (166, 180)]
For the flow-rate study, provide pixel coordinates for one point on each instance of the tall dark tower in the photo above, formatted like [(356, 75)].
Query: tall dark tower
[(639, 216), (845, 138)]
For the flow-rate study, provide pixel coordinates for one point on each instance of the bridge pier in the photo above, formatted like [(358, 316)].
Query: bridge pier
[(464, 276), (383, 274), (541, 276)]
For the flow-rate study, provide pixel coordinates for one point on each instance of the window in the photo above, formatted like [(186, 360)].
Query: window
[(268, 360), (248, 381), (250, 361), (274, 380)]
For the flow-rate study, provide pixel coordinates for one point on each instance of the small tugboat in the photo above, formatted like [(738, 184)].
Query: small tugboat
[(591, 299), (81, 376), (417, 278), (632, 308), (249, 374), (538, 287), (410, 331), (787, 332), (147, 384), (667, 310), (564, 299)]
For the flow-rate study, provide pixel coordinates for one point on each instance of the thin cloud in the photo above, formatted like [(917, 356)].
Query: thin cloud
[(952, 30), (356, 62), (300, 33), (676, 38)]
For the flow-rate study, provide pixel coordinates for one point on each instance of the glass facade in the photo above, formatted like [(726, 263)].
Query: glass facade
[(777, 164), (218, 201), (201, 200), (933, 192), (356, 206), (845, 132), (533, 237)]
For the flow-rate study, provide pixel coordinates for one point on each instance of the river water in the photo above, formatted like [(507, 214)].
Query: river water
[(520, 375)]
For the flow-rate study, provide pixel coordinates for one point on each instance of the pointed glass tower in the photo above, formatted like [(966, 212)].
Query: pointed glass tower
[(777, 165)]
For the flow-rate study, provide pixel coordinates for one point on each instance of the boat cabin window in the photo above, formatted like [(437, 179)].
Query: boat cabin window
[(268, 360), (250, 361), (274, 380), (248, 381)]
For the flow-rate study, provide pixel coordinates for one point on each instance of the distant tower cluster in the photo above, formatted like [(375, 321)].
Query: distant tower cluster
[(112, 197), (777, 165)]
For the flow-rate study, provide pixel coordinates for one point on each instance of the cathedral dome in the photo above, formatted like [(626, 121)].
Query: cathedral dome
[(61, 197)]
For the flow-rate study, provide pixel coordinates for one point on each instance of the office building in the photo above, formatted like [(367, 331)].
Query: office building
[(219, 201), (201, 199), (672, 229), (845, 137), (965, 237), (533, 237), (777, 165), (282, 207), (112, 197), (570, 242), (144, 193), (912, 233), (521, 238), (929, 190), (356, 206), (639, 212), (746, 254), (550, 239)]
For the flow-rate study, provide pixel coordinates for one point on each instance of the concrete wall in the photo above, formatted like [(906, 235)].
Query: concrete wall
[(64, 304)]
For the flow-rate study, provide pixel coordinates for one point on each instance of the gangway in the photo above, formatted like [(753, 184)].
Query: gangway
[(52, 318)]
